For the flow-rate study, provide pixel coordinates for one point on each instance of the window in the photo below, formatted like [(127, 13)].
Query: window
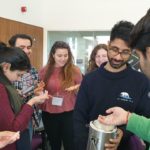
[(81, 43)]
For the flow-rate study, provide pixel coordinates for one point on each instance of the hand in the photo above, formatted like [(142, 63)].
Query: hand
[(114, 143), (40, 88), (116, 116), (21, 93), (39, 99), (73, 88), (8, 137)]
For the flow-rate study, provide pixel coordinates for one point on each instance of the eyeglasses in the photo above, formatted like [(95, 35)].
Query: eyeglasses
[(115, 51)]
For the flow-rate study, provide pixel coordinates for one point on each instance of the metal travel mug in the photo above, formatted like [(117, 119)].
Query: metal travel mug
[(99, 135)]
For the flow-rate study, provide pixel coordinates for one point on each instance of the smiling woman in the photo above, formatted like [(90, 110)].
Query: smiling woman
[(60, 57), (97, 57), (62, 79)]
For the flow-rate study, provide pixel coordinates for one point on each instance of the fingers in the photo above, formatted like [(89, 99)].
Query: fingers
[(39, 89), (107, 120), (41, 84), (102, 119), (16, 136), (114, 143), (69, 89), (45, 95), (9, 136), (110, 110), (49, 96), (119, 134), (6, 133), (109, 146), (72, 88)]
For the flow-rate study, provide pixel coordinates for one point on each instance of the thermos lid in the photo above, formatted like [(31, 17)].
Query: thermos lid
[(100, 126)]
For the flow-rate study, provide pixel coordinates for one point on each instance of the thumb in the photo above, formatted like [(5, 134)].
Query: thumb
[(110, 110)]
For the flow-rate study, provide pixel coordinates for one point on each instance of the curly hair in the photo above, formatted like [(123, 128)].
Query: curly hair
[(92, 64)]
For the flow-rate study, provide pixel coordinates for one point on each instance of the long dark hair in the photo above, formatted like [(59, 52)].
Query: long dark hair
[(140, 35), (16, 57)]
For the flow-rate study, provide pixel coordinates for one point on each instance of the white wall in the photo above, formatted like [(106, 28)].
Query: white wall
[(74, 14), (11, 9), (91, 14)]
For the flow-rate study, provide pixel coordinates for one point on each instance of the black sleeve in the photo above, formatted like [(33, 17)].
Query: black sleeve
[(142, 107), (81, 119)]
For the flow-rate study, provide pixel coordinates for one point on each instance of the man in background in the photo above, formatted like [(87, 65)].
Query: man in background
[(29, 81)]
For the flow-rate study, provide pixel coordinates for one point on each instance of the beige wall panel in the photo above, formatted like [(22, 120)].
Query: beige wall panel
[(10, 27)]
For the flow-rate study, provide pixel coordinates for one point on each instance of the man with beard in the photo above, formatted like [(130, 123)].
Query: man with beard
[(140, 41), (115, 83)]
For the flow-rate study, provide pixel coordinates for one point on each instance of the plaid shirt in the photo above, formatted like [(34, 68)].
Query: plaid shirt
[(26, 86)]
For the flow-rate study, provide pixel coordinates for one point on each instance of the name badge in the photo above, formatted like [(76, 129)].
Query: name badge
[(57, 101)]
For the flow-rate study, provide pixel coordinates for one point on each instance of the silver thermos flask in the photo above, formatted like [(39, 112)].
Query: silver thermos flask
[(99, 134)]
